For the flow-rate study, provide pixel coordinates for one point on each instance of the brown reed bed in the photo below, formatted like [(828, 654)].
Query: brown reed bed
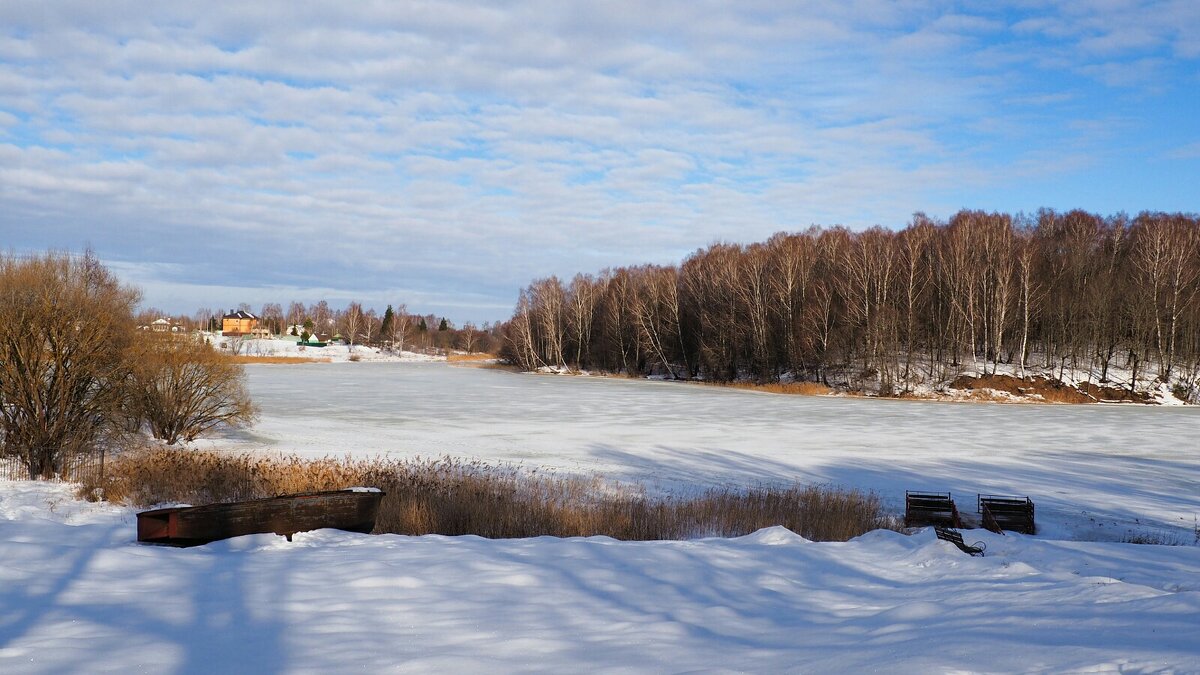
[(452, 497), (241, 358), (794, 388), (453, 357)]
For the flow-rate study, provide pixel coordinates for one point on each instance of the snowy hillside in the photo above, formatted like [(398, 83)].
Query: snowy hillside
[(334, 352)]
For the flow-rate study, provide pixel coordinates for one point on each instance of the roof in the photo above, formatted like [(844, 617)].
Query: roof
[(239, 315)]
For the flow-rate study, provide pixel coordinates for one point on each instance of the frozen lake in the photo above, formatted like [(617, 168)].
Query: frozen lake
[(1086, 467)]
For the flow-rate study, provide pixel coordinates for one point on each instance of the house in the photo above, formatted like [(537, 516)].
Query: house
[(239, 323), (163, 325)]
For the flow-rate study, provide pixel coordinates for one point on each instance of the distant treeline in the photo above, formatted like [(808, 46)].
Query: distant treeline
[(1056, 290), (394, 329)]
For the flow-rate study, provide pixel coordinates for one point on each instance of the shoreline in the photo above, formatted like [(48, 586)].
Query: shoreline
[(981, 395)]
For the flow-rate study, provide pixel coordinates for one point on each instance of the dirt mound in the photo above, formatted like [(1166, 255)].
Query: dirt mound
[(1048, 389), (1103, 393)]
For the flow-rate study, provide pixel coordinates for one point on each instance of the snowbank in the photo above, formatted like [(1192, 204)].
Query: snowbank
[(78, 595)]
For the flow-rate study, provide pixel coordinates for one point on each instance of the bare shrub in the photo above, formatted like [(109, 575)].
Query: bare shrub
[(65, 323), (451, 497), (182, 388)]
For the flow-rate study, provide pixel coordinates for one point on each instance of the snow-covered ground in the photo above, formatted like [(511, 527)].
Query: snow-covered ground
[(333, 352), (1095, 471), (77, 595)]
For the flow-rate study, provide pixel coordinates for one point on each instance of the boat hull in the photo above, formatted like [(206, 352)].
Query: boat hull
[(350, 510)]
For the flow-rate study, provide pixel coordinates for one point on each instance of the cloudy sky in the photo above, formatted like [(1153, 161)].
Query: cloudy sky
[(444, 154)]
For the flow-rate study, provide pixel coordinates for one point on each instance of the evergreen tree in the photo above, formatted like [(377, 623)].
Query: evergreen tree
[(443, 326), (421, 326), (385, 328)]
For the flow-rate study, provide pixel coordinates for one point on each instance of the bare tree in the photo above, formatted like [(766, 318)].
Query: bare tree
[(184, 388), (272, 318), (549, 303), (322, 318), (469, 336), (1028, 292), (998, 263), (204, 318), (654, 305), (753, 297), (65, 324), (582, 297), (915, 249), (295, 315), (401, 322), (870, 263), (521, 339), (1166, 251), (791, 284), (352, 322)]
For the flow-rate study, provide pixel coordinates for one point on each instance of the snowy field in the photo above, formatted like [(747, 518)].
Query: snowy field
[(333, 352), (78, 595), (1095, 472)]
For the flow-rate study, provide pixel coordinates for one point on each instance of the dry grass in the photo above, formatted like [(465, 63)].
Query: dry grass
[(466, 358), (454, 498), (279, 359), (1158, 539), (797, 388), (490, 365)]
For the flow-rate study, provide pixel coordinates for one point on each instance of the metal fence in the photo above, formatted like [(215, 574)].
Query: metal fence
[(76, 468)]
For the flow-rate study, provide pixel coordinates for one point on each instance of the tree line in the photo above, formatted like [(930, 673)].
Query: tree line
[(980, 292), (77, 378), (394, 329)]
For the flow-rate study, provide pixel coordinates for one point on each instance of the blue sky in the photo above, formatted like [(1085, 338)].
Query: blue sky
[(444, 154)]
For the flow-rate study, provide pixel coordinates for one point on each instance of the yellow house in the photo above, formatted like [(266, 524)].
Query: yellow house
[(238, 323)]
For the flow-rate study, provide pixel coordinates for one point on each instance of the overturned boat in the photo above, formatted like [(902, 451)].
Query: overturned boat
[(352, 509)]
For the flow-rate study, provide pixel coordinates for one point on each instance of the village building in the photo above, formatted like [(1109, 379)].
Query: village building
[(239, 323), (162, 325)]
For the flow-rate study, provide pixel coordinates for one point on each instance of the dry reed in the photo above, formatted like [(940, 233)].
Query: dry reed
[(279, 359), (453, 357), (794, 388), (452, 497)]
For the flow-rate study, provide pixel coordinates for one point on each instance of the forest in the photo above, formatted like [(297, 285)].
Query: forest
[(888, 309)]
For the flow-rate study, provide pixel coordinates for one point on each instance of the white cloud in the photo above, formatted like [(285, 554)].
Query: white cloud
[(441, 148)]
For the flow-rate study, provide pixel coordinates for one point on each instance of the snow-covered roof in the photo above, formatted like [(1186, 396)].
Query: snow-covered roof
[(240, 314)]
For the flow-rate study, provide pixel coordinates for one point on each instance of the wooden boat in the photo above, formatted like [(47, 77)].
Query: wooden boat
[(353, 509)]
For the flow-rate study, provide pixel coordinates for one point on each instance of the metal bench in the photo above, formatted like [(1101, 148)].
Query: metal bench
[(955, 537), (1000, 513), (930, 508)]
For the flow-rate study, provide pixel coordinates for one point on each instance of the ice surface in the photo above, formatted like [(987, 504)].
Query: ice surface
[(1095, 471)]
